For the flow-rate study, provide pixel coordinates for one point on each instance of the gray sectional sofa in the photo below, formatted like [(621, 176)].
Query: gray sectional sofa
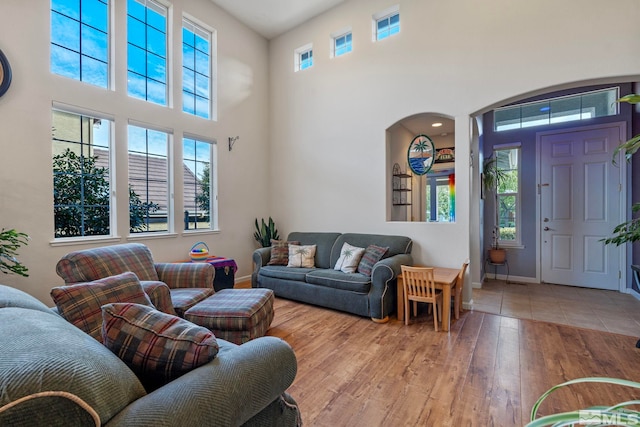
[(53, 374), (355, 293)]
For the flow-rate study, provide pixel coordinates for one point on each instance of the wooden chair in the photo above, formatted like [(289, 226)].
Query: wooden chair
[(457, 303), (419, 286)]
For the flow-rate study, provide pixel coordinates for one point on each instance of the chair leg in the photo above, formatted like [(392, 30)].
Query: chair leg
[(456, 305), (435, 315), (415, 308), (407, 313)]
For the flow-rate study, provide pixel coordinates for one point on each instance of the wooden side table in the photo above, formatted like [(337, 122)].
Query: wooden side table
[(445, 279)]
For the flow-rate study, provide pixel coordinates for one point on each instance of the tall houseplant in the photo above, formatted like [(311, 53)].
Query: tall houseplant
[(265, 232), (492, 177), (10, 241), (627, 231)]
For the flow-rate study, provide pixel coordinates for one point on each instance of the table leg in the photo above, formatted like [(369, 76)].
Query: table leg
[(446, 307), (400, 300)]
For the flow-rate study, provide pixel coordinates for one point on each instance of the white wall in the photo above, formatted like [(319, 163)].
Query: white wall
[(454, 58), (26, 198)]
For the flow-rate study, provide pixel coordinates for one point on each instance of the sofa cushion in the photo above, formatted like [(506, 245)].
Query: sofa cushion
[(12, 297), (280, 252), (302, 256), (397, 244), (349, 258), (285, 273), (371, 255), (340, 280), (42, 352), (185, 298), (47, 406), (93, 264), (324, 244), (157, 346), (80, 304)]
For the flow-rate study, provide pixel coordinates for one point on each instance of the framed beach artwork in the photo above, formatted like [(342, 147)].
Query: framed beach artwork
[(421, 154)]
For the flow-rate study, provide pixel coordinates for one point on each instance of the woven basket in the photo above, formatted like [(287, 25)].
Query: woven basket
[(199, 253)]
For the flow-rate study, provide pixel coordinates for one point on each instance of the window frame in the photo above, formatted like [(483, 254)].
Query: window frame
[(213, 183), (517, 242), (381, 16), (297, 57)]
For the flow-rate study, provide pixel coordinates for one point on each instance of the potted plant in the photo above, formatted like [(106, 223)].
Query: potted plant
[(492, 177), (497, 255), (266, 232), (622, 413), (10, 242)]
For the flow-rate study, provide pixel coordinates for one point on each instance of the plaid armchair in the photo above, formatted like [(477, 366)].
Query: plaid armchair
[(172, 288)]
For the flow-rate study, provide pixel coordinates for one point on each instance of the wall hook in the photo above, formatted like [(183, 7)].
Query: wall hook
[(232, 141)]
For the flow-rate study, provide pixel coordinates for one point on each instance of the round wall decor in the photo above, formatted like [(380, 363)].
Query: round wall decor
[(5, 74), (421, 154)]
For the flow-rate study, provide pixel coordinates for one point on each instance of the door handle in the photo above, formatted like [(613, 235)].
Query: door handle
[(546, 229)]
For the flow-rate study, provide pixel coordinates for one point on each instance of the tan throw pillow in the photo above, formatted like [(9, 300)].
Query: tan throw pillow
[(80, 304), (302, 256), (157, 346), (349, 258), (280, 252)]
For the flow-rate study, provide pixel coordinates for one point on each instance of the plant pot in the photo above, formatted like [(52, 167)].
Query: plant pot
[(497, 256)]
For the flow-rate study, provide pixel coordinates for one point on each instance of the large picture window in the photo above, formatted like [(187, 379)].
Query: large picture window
[(80, 40), (199, 185), (149, 180), (81, 178)]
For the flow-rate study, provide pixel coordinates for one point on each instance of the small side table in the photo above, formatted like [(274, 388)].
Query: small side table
[(495, 268), (225, 271)]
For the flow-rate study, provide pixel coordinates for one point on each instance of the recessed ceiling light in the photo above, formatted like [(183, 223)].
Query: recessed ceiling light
[(437, 125)]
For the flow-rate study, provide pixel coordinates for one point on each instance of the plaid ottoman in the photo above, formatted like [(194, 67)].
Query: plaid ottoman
[(236, 315)]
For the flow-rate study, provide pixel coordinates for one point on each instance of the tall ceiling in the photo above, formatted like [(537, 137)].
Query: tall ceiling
[(270, 18)]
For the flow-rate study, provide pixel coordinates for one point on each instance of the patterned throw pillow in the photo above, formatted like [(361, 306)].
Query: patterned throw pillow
[(302, 256), (371, 255), (280, 252), (349, 258), (157, 346), (80, 304)]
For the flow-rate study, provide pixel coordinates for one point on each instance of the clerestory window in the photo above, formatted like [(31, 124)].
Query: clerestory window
[(196, 69), (386, 23), (80, 40), (147, 51), (303, 57)]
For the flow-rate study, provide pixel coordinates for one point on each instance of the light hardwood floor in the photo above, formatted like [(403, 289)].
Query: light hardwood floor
[(487, 371)]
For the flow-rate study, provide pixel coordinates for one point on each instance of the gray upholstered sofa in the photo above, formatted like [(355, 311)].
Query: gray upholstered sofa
[(355, 293), (53, 374)]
